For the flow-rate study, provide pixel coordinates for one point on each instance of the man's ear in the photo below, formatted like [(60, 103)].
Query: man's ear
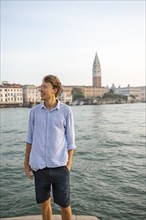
[(55, 90)]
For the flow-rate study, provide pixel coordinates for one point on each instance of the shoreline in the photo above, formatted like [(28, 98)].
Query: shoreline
[(78, 104)]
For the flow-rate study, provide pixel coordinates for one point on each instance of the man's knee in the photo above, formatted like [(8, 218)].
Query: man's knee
[(46, 204), (66, 209)]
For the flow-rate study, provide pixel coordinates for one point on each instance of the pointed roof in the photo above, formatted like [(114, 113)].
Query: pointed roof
[(96, 60)]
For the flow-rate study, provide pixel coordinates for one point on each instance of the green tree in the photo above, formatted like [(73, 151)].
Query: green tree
[(111, 91), (133, 96), (77, 93), (111, 95)]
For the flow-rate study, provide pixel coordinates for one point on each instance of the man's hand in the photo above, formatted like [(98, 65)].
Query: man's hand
[(28, 171), (70, 155), (68, 166), (27, 167)]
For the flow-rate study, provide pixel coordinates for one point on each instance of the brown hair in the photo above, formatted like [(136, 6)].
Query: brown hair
[(54, 80)]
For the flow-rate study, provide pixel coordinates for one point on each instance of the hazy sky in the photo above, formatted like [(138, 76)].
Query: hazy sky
[(62, 37)]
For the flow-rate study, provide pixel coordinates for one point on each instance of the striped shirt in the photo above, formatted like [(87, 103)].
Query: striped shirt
[(51, 134)]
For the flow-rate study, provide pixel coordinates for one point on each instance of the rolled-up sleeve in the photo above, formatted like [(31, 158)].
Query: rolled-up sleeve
[(30, 128), (70, 131)]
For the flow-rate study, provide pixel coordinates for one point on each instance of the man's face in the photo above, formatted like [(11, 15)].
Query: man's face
[(47, 91)]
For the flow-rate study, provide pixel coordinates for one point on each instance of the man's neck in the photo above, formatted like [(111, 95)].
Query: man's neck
[(50, 103)]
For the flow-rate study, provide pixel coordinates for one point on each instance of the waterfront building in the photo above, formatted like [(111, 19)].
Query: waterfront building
[(142, 92), (66, 98), (31, 95), (91, 92), (11, 94), (138, 92), (87, 91)]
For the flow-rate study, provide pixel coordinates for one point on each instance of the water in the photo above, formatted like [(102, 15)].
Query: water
[(108, 172)]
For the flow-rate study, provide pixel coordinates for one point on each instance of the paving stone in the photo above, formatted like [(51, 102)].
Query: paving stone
[(55, 217)]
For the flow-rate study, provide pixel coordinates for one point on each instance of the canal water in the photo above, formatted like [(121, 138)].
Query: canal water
[(108, 172)]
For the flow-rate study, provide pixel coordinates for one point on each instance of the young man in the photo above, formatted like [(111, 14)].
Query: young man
[(49, 149)]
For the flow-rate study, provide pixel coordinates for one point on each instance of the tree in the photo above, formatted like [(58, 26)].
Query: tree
[(77, 93), (111, 91), (111, 95), (133, 96)]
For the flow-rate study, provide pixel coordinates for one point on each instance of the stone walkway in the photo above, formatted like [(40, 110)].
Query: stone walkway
[(55, 217)]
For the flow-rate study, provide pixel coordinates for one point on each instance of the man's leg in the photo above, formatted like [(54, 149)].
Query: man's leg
[(66, 213), (46, 210)]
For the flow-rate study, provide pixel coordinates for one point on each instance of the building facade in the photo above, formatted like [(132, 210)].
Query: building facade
[(139, 93), (66, 97), (31, 95), (142, 92), (11, 94)]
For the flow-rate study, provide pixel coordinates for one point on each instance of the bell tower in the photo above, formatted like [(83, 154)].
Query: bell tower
[(96, 73)]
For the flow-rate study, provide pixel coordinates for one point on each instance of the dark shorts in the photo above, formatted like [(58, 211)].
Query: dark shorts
[(58, 179)]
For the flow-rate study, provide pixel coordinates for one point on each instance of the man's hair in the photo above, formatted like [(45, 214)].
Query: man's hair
[(54, 80)]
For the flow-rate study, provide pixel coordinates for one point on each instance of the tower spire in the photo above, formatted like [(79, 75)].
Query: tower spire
[(96, 60), (96, 72)]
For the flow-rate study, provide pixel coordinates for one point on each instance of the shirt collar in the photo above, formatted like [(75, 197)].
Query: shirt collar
[(56, 107)]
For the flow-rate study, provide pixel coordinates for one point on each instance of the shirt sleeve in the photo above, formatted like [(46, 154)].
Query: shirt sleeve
[(30, 128), (70, 131)]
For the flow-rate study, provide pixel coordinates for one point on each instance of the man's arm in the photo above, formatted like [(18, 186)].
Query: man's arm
[(70, 136), (70, 156), (26, 161)]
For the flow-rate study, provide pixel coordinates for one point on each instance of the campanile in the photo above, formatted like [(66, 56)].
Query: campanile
[(96, 73)]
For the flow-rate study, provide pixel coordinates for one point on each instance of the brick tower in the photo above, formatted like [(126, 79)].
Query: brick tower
[(96, 73)]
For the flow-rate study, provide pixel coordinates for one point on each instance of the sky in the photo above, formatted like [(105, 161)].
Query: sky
[(61, 38)]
